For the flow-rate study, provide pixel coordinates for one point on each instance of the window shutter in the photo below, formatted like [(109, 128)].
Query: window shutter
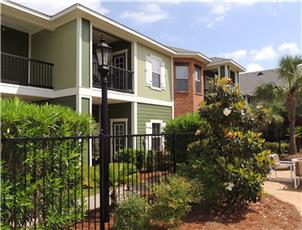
[(162, 76), (162, 141), (148, 139), (148, 71)]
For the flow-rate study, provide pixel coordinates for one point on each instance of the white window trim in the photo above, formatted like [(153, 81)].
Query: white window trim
[(148, 140), (124, 51), (160, 76), (111, 132)]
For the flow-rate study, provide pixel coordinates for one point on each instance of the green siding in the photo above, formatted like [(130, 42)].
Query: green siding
[(143, 89), (14, 41), (60, 48), (122, 110), (85, 53), (69, 101), (85, 103), (146, 112)]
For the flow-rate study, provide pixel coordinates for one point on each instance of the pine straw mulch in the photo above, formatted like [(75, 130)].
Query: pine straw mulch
[(269, 213)]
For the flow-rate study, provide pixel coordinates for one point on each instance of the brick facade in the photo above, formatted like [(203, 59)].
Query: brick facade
[(186, 102)]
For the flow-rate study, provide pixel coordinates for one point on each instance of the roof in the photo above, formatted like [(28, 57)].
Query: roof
[(186, 52), (248, 82), (50, 22), (220, 61)]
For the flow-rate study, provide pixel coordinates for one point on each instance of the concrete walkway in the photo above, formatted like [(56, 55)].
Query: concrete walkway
[(284, 190)]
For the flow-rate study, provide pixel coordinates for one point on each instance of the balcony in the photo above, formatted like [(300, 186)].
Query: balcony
[(119, 79), (25, 71)]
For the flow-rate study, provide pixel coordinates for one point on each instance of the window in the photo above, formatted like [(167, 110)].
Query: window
[(233, 77), (156, 140), (156, 73), (182, 75), (197, 79)]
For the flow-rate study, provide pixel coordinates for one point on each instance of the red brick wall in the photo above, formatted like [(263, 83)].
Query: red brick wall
[(186, 102)]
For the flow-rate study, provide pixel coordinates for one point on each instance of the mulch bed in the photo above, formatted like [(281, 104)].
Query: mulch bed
[(269, 213), (288, 157)]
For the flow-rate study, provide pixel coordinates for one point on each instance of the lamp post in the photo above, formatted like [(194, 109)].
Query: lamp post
[(103, 53)]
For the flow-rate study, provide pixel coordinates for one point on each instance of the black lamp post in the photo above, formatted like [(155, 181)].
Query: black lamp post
[(103, 53)]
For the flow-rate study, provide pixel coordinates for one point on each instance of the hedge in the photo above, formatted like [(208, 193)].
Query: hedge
[(37, 175)]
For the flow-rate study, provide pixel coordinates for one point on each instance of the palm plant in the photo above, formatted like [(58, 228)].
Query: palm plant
[(290, 96)]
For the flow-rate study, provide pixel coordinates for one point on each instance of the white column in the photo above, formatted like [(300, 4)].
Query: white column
[(90, 54), (134, 121), (226, 72), (172, 86), (79, 53), (134, 66)]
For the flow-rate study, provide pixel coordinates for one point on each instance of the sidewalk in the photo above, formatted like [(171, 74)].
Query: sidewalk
[(285, 190)]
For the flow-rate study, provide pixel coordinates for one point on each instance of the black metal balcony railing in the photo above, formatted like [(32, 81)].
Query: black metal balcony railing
[(119, 79), (24, 71)]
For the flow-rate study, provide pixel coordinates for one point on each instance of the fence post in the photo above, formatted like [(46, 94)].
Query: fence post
[(173, 151)]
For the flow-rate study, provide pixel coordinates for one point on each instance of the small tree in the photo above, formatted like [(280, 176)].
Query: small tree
[(228, 158), (288, 96)]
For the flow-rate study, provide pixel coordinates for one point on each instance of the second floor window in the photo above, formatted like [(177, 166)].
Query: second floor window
[(156, 71), (182, 75), (197, 79)]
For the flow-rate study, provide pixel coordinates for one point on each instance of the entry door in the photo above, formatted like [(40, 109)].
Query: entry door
[(119, 128), (119, 75)]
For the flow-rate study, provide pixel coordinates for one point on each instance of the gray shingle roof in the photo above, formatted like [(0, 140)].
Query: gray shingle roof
[(180, 50), (218, 59), (248, 82)]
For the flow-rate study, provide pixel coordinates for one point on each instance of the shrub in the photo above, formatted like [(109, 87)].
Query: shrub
[(274, 147), (123, 173), (132, 214), (228, 159), (25, 162), (133, 156), (188, 123), (172, 200)]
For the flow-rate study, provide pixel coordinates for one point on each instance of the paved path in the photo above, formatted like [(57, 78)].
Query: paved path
[(284, 190)]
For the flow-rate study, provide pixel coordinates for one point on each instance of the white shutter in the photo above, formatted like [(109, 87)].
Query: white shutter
[(162, 76), (148, 139), (162, 141), (148, 71)]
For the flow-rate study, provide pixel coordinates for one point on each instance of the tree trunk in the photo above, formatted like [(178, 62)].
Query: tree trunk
[(291, 115)]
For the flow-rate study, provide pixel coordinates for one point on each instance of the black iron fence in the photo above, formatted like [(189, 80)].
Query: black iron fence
[(119, 79), (54, 183), (24, 71)]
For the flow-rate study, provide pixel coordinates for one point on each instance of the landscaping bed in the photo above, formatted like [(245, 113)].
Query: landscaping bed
[(269, 213), (288, 157)]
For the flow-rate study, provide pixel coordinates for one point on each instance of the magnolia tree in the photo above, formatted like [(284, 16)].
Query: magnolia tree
[(228, 158)]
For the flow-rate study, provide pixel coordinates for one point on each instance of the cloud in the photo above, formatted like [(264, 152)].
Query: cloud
[(218, 11), (54, 6), (253, 67), (236, 55), (145, 14), (289, 48), (264, 53)]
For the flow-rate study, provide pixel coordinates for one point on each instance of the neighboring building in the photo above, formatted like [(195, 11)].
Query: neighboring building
[(222, 67), (188, 80), (249, 82)]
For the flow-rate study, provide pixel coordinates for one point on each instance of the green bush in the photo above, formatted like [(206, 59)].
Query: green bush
[(134, 156), (274, 147), (228, 159), (123, 173), (172, 200), (24, 162), (132, 214), (187, 124)]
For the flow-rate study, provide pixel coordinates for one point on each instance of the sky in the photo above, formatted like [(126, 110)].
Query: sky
[(255, 34)]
